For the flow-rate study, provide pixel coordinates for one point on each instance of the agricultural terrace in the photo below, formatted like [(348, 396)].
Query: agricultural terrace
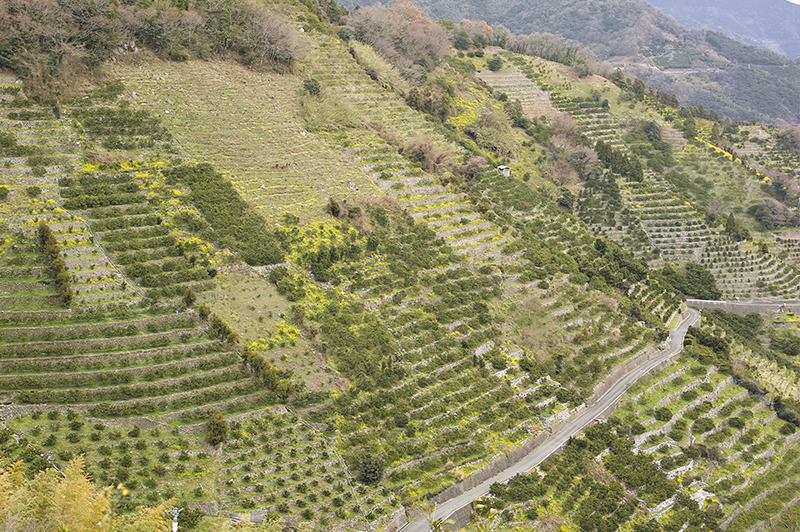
[(495, 312), (345, 75), (656, 217), (102, 262), (687, 443), (246, 124)]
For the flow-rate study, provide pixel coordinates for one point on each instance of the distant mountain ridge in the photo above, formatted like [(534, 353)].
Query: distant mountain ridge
[(700, 67), (770, 24)]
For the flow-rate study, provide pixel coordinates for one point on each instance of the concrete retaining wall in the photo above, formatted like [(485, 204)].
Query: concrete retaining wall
[(500, 463), (462, 518)]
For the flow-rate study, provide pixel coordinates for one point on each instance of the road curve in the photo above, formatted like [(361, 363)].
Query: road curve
[(572, 427)]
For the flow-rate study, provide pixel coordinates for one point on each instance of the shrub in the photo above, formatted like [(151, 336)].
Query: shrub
[(235, 222), (637, 428), (736, 423), (402, 36), (312, 86), (370, 469), (702, 425), (58, 270), (788, 429), (216, 428), (495, 63), (427, 154), (663, 414), (689, 395)]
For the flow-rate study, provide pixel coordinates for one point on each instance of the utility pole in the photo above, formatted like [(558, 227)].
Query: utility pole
[(174, 513)]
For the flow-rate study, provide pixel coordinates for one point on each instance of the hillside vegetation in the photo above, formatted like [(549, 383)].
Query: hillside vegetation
[(700, 67), (303, 294)]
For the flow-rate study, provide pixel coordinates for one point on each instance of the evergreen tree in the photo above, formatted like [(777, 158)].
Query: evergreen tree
[(715, 133), (217, 428), (689, 128), (370, 470), (730, 225)]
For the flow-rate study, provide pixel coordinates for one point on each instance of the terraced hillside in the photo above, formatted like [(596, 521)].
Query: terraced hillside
[(137, 372), (655, 218), (419, 192), (376, 311), (535, 101), (121, 350), (261, 147), (686, 444)]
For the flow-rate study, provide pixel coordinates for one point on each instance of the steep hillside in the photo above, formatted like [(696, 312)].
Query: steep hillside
[(700, 67), (321, 297), (673, 214), (136, 363), (772, 25)]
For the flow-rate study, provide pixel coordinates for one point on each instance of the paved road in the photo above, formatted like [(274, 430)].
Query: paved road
[(749, 306), (574, 426)]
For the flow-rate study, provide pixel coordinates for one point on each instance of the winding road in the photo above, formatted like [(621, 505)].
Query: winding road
[(571, 427)]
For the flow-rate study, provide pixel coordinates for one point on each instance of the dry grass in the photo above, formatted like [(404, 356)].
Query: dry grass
[(599, 474), (603, 299), (549, 523), (248, 125), (248, 303)]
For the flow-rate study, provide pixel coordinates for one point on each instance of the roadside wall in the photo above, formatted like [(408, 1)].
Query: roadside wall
[(625, 367), (462, 518), (500, 463), (504, 461)]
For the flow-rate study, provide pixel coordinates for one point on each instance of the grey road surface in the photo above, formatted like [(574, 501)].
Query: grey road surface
[(571, 427)]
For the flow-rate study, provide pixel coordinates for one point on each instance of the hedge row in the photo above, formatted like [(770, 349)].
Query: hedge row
[(236, 224), (58, 268)]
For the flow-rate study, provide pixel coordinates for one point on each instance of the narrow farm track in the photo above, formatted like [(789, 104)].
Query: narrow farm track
[(599, 409)]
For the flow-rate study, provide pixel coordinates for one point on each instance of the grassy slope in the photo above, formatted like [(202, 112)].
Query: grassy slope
[(247, 125)]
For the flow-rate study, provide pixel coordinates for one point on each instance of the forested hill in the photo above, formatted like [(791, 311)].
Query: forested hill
[(770, 24), (701, 67)]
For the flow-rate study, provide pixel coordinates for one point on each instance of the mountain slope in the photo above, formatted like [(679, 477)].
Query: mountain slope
[(700, 67), (376, 310), (770, 24)]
